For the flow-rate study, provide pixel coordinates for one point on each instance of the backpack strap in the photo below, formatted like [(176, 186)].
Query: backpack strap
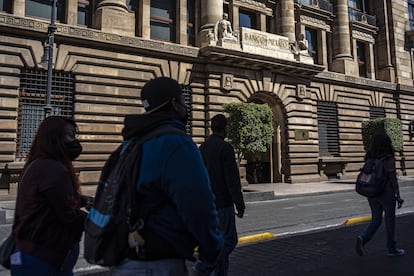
[(133, 215)]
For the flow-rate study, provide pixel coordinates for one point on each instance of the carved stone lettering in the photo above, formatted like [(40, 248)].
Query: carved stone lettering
[(73, 31)]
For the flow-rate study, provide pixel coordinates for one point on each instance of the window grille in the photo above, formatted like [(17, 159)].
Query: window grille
[(187, 98), (328, 129), (376, 112), (33, 85)]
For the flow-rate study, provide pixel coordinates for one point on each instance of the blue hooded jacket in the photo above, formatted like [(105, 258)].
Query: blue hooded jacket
[(174, 184)]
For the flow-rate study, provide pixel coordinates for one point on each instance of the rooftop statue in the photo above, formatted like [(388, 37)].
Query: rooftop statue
[(300, 47), (223, 30)]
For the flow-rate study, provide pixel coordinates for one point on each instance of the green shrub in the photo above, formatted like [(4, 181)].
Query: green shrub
[(250, 127), (391, 126)]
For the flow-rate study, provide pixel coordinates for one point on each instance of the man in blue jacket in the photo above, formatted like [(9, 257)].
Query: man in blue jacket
[(219, 158), (173, 187)]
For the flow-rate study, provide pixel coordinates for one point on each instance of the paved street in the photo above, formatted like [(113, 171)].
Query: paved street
[(297, 214), (326, 253)]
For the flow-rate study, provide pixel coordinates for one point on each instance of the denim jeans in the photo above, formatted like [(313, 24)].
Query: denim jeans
[(165, 267), (385, 202), (23, 264), (228, 228), (227, 224)]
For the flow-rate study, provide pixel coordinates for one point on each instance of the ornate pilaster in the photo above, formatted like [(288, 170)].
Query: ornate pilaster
[(287, 12), (343, 62), (112, 16), (211, 12)]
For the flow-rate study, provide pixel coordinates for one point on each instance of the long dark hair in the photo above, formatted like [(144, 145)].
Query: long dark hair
[(381, 146), (49, 142)]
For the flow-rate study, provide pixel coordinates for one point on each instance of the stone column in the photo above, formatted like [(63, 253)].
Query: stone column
[(287, 18), (262, 22), (181, 16), (234, 16), (386, 69), (211, 12), (343, 62), (371, 62), (355, 50), (19, 7), (72, 12), (112, 16), (323, 46), (144, 24)]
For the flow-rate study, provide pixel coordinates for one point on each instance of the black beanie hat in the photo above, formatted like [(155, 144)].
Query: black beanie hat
[(158, 92), (218, 123)]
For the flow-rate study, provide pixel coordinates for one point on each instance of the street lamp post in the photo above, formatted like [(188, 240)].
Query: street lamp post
[(51, 41)]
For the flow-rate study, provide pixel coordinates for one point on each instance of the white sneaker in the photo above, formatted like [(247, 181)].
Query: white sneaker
[(396, 252)]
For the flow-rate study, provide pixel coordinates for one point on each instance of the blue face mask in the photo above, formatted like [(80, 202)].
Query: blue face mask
[(74, 149)]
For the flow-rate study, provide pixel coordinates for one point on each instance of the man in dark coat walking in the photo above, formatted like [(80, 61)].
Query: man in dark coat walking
[(219, 158)]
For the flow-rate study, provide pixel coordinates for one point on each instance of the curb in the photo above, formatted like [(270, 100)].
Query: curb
[(312, 193), (256, 238), (357, 220)]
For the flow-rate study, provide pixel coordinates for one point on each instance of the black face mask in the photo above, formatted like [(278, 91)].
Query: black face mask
[(74, 149)]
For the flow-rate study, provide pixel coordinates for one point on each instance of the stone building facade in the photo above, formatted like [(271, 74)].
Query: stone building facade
[(357, 64)]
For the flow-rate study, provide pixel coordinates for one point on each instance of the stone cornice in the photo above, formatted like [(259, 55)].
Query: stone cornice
[(356, 81), (314, 22), (29, 24), (363, 36), (254, 5)]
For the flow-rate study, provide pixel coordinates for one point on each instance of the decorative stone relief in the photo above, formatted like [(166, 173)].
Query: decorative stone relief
[(363, 36), (96, 35), (300, 91), (254, 3), (227, 82), (314, 22)]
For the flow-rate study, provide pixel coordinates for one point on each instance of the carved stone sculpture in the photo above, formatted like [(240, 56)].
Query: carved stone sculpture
[(300, 47), (223, 30)]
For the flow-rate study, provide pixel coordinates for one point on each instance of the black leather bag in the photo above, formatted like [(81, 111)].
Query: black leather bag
[(6, 249)]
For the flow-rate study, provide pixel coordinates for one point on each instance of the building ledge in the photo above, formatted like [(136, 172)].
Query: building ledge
[(217, 54)]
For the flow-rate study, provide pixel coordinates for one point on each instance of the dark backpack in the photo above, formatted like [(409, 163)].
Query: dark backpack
[(371, 179), (114, 213)]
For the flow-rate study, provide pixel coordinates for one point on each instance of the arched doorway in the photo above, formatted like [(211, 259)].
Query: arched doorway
[(269, 167)]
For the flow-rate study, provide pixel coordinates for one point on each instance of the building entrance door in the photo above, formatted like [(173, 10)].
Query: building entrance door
[(268, 167)]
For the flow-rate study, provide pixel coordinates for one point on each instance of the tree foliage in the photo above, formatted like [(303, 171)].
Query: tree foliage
[(250, 127), (390, 126)]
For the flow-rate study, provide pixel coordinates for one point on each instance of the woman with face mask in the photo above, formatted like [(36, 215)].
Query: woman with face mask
[(48, 221)]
